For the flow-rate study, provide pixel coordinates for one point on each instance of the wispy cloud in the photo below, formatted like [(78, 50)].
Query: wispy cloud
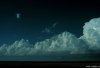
[(49, 29), (54, 25), (46, 30)]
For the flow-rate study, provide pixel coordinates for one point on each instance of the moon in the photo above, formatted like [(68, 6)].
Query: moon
[(18, 15)]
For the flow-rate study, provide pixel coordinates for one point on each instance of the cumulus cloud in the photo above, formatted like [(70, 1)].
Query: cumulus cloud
[(64, 43), (21, 47), (91, 33)]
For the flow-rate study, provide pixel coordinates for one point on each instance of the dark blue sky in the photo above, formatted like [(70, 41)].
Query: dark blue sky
[(38, 15)]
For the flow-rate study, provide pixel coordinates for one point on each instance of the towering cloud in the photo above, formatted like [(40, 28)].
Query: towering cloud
[(91, 33), (65, 42)]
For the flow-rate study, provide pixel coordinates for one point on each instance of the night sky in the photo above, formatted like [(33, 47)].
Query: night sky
[(36, 16)]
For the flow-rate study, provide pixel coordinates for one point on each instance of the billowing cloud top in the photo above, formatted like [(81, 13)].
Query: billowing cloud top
[(62, 43), (91, 33)]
